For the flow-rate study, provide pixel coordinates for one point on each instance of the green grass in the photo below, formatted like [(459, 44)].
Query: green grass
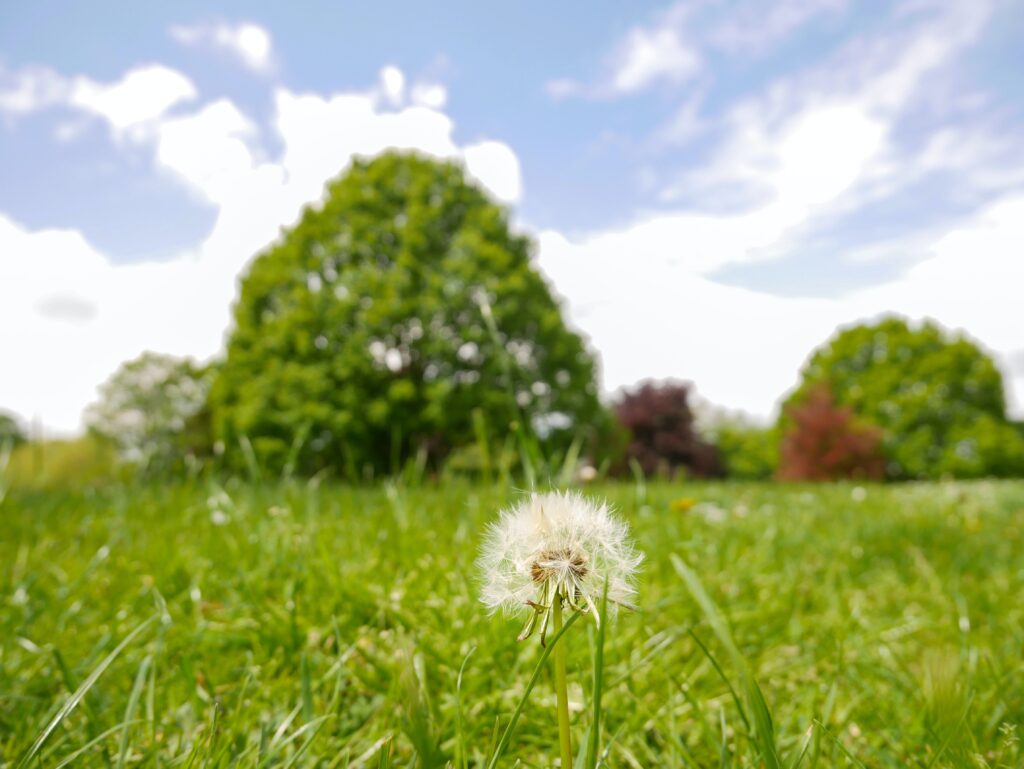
[(296, 626)]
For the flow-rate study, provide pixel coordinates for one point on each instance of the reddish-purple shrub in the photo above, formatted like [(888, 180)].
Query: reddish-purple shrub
[(824, 442), (662, 435)]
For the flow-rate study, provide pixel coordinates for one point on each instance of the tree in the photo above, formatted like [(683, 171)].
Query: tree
[(154, 410), (662, 433), (11, 434), (825, 442), (937, 396), (375, 327)]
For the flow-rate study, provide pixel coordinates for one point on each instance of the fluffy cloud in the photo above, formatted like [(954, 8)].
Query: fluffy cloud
[(31, 89), (648, 55), (140, 97), (129, 105), (69, 316), (672, 49), (249, 43)]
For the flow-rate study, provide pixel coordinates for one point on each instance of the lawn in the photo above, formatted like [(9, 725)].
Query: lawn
[(296, 625)]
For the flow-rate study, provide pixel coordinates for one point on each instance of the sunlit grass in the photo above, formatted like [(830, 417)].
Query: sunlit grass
[(299, 626)]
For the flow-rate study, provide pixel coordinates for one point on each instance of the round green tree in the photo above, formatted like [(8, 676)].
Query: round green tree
[(390, 313), (937, 396)]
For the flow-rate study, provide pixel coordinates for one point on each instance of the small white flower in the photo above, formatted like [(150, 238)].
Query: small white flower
[(557, 547)]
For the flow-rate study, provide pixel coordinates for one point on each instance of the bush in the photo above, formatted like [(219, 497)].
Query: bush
[(390, 313), (747, 452), (937, 396), (662, 433), (825, 442)]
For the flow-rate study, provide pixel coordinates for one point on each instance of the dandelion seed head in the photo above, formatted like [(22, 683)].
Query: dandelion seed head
[(557, 544)]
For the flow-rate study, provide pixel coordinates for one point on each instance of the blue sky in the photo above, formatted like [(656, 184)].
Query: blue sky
[(724, 181)]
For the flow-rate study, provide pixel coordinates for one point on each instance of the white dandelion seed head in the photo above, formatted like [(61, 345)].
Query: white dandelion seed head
[(557, 541)]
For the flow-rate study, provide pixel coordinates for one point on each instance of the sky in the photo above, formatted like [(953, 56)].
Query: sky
[(713, 187)]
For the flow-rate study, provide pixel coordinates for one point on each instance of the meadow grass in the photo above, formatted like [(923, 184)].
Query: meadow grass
[(292, 625)]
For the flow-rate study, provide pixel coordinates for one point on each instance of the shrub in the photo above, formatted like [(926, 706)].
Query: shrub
[(662, 434), (747, 452), (825, 442)]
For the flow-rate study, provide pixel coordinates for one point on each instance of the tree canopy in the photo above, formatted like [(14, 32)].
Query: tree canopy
[(153, 410), (937, 396), (378, 324)]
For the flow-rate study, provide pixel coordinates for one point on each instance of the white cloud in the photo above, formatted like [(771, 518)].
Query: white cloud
[(495, 166), (648, 55), (248, 42), (69, 315), (652, 55), (431, 95), (129, 105), (31, 89), (140, 97), (753, 27), (672, 49), (393, 85)]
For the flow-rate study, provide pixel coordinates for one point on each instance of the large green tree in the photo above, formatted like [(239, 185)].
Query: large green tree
[(938, 397), (385, 317)]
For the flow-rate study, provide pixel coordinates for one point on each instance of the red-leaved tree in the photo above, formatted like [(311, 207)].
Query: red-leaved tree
[(826, 442), (662, 434)]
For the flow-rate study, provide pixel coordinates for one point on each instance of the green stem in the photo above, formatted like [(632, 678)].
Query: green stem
[(506, 736), (561, 687)]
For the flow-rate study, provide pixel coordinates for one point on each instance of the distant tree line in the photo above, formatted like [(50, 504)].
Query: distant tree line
[(402, 321)]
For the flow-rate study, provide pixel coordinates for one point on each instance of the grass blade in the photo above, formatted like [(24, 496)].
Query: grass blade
[(80, 692), (461, 756), (764, 731), (594, 741), (129, 711)]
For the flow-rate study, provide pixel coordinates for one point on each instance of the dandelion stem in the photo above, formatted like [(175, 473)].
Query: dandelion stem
[(561, 687)]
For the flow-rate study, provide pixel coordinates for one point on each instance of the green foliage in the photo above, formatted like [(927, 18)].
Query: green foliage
[(305, 625), (154, 410), (11, 434), (938, 398), (385, 317), (747, 451)]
